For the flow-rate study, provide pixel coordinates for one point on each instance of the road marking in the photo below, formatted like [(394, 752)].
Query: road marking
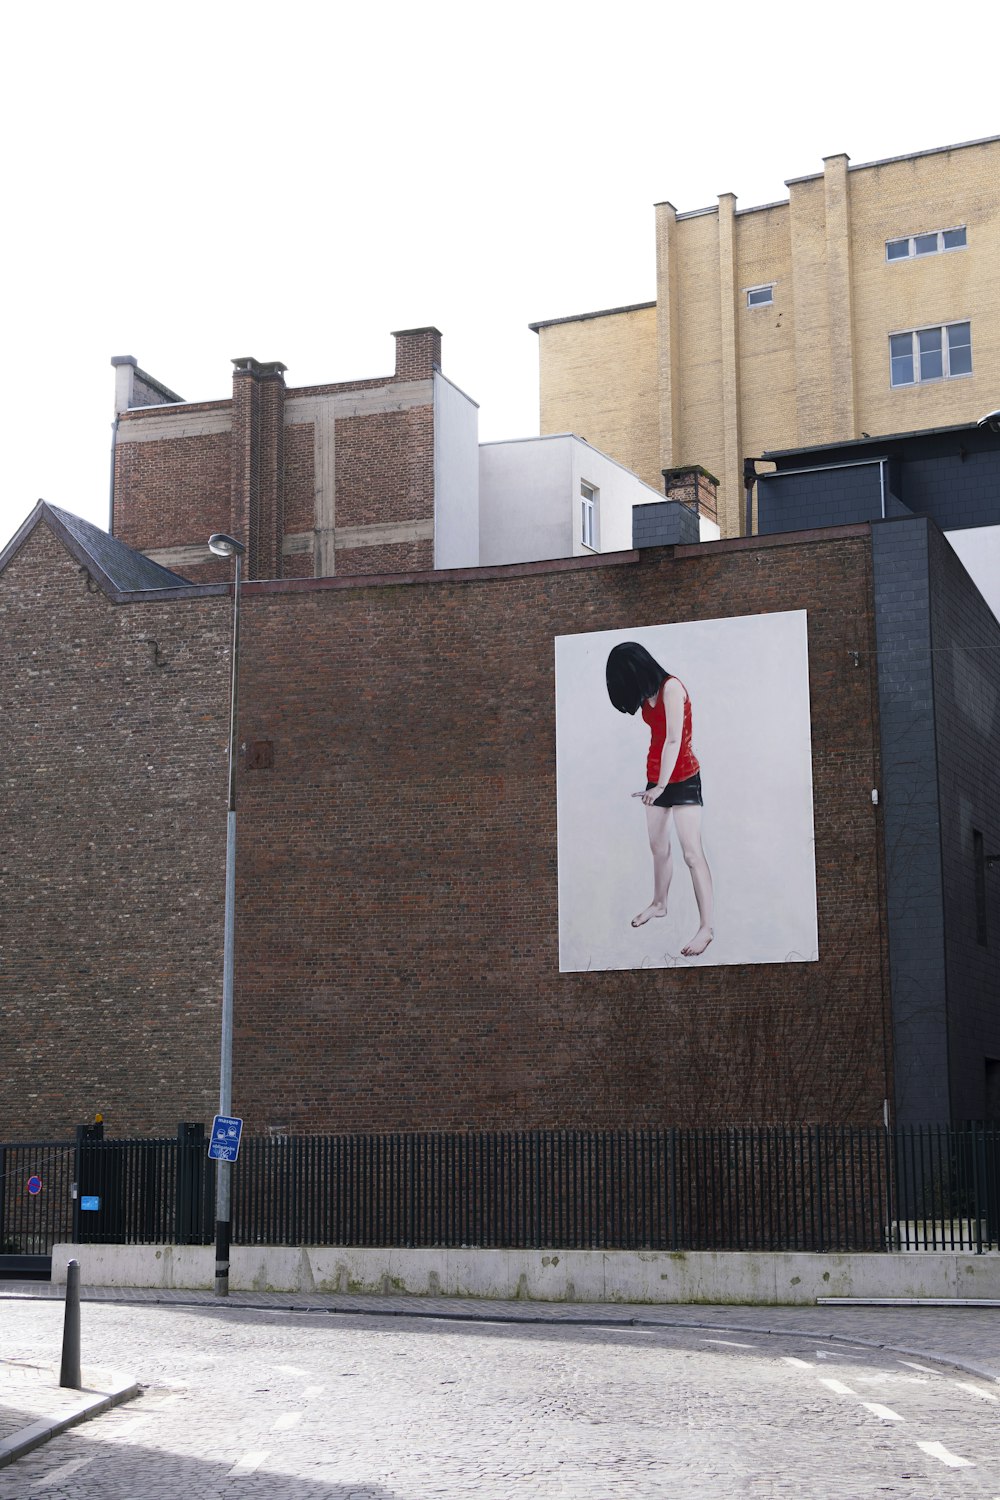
[(798, 1364), (125, 1428), (966, 1385), (291, 1370), (247, 1463), (886, 1413), (730, 1343), (63, 1472), (314, 1390), (924, 1369), (286, 1420), (891, 1377), (840, 1354), (953, 1460), (838, 1387)]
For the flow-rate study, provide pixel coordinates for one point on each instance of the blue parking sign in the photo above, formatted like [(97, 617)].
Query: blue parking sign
[(225, 1142)]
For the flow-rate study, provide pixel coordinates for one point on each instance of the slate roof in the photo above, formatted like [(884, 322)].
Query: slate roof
[(111, 563)]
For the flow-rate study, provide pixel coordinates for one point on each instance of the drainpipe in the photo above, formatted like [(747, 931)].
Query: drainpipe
[(749, 480)]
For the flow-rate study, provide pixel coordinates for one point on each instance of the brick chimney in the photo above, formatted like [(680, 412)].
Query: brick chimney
[(418, 353), (257, 463), (693, 486)]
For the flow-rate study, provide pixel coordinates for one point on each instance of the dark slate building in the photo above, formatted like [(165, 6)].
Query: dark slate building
[(932, 500)]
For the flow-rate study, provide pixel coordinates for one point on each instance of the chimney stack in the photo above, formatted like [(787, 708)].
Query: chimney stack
[(693, 486)]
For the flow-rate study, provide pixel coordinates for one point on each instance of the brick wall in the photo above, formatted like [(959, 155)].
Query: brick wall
[(399, 964), (385, 467), (598, 379), (113, 794), (173, 491), (397, 959), (389, 557), (299, 480), (254, 468)]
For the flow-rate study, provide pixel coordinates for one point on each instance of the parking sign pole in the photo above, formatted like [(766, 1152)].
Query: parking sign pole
[(223, 1181)]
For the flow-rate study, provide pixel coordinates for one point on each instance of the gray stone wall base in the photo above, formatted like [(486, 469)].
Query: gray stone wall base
[(640, 1276)]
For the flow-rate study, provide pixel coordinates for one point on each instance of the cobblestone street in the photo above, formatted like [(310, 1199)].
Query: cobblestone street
[(309, 1406)]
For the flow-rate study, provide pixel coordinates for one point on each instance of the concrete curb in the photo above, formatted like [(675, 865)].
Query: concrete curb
[(39, 1432)]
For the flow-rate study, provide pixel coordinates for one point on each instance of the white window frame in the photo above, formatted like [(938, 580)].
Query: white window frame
[(946, 372), (765, 286), (589, 498), (939, 248)]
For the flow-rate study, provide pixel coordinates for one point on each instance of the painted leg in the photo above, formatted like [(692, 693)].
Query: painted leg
[(689, 833), (658, 829)]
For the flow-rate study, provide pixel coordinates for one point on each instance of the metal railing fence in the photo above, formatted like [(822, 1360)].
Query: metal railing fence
[(739, 1188)]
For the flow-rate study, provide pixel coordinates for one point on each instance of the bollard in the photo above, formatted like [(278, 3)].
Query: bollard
[(69, 1372)]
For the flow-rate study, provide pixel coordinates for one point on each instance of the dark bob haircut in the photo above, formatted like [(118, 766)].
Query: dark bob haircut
[(633, 676)]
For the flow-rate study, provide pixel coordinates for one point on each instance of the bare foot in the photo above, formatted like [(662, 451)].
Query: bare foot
[(654, 909), (698, 943)]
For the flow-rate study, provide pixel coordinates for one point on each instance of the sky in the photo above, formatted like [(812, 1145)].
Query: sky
[(195, 182)]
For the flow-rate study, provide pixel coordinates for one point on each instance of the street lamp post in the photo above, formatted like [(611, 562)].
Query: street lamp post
[(227, 546)]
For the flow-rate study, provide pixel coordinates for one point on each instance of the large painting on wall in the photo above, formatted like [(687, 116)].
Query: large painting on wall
[(685, 808)]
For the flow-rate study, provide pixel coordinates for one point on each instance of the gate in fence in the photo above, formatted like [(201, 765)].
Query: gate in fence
[(96, 1191)]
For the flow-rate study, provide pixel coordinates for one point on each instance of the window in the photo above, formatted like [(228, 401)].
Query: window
[(760, 296), (930, 354), (934, 243), (588, 516)]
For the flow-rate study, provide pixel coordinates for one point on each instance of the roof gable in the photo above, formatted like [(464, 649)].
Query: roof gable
[(115, 567)]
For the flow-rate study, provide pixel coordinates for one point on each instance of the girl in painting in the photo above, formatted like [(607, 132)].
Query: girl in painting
[(673, 780)]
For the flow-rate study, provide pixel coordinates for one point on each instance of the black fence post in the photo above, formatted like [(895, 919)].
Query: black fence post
[(189, 1196)]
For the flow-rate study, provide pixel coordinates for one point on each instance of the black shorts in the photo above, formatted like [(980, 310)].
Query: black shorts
[(680, 793)]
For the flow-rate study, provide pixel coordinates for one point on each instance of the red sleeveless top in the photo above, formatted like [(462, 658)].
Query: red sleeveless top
[(656, 718)]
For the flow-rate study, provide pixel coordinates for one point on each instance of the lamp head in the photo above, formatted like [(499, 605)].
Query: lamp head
[(225, 546), (991, 421)]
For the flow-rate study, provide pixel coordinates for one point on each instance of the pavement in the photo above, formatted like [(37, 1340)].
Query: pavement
[(33, 1408)]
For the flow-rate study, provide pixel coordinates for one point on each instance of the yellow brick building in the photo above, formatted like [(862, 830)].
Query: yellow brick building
[(866, 303)]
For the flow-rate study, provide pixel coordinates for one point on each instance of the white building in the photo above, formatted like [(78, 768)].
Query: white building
[(556, 496)]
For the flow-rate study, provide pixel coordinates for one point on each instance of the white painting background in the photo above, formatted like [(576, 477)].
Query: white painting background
[(748, 679)]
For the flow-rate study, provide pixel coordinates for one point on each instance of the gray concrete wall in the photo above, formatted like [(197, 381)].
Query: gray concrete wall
[(640, 1276)]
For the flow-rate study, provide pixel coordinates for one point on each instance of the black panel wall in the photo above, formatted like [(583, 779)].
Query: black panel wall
[(965, 639)]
